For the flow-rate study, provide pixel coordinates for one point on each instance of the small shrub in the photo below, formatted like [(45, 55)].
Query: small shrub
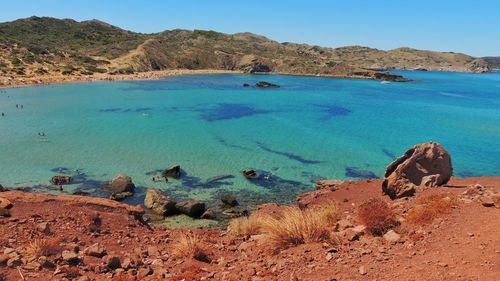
[(295, 226), (430, 206), (245, 226), (376, 216), (42, 247), (190, 246)]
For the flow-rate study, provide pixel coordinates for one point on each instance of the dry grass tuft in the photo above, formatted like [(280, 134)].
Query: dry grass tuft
[(190, 246), (295, 226), (245, 226), (292, 226), (431, 206), (42, 247), (376, 215)]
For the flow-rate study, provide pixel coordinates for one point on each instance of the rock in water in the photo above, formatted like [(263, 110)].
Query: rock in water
[(121, 183), (427, 164), (250, 174), (191, 208), (59, 180), (209, 214), (159, 202), (229, 200), (173, 171), (264, 84), (2, 189)]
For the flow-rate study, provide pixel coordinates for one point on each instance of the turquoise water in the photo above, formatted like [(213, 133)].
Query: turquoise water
[(310, 128)]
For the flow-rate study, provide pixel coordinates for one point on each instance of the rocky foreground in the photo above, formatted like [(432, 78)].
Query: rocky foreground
[(46, 237), (418, 223)]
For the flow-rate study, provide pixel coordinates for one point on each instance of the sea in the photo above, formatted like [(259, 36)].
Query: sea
[(310, 128)]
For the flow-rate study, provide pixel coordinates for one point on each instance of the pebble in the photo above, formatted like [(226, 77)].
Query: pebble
[(362, 270)]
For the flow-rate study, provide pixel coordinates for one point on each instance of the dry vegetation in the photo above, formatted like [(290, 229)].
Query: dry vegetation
[(42, 247), (430, 206), (190, 246), (376, 215), (292, 226), (245, 226)]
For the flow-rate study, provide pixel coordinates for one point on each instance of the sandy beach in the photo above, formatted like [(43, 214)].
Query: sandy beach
[(38, 80)]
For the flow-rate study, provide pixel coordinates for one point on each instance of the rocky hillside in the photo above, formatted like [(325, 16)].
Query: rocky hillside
[(493, 62), (47, 46)]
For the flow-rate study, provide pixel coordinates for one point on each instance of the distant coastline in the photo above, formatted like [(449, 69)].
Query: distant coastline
[(6, 83)]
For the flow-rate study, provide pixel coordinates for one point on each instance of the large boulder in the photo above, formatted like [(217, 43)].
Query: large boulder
[(191, 208), (121, 183), (2, 189), (158, 202), (427, 164), (173, 171)]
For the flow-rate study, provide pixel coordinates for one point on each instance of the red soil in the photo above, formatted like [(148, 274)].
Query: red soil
[(461, 245)]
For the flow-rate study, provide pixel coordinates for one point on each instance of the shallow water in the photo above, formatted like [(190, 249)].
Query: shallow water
[(308, 129)]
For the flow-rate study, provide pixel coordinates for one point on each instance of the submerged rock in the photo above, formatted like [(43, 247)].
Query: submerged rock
[(209, 214), (229, 200), (246, 85), (158, 202), (264, 84), (250, 174), (192, 208), (427, 164), (121, 183), (235, 212), (59, 180), (173, 171), (120, 196)]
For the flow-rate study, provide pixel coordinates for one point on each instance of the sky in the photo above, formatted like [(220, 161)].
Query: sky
[(471, 27)]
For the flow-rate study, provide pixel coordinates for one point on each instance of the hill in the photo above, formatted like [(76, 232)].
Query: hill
[(39, 46), (493, 62)]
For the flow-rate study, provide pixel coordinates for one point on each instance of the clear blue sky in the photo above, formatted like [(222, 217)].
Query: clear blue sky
[(471, 26)]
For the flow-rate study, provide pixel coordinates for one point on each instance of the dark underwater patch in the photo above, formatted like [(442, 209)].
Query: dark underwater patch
[(355, 172), (113, 109), (154, 172), (230, 145), (389, 154), (288, 155), (312, 176), (271, 181), (228, 111), (213, 182), (331, 111)]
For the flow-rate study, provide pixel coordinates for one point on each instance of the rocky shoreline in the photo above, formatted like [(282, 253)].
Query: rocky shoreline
[(40, 80), (404, 227)]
